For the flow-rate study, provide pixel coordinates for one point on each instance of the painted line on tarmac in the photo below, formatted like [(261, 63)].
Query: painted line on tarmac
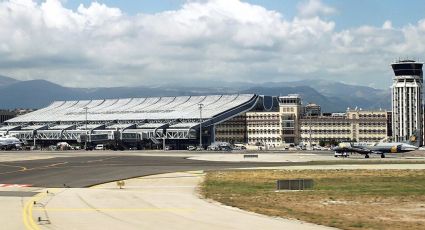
[(15, 185), (100, 160), (27, 211), (27, 216), (14, 166), (24, 169)]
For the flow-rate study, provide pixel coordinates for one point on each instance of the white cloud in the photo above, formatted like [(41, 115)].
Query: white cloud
[(312, 8), (221, 40), (387, 25)]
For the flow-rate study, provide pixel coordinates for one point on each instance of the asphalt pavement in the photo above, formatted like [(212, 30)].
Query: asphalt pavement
[(84, 171), (26, 178)]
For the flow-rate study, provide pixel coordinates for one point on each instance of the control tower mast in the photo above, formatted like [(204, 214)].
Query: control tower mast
[(407, 99)]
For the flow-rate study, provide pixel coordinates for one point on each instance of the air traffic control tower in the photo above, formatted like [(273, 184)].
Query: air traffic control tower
[(407, 99)]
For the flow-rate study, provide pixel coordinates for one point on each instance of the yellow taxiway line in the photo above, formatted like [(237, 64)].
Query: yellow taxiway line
[(27, 214), (24, 169), (27, 211)]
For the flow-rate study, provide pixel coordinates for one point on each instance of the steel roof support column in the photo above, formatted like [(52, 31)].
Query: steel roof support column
[(200, 124)]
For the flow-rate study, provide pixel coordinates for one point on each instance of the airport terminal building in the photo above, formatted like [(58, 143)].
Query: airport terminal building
[(135, 122)]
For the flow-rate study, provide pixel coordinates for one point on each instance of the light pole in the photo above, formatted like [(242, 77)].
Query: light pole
[(85, 144), (309, 126), (200, 124)]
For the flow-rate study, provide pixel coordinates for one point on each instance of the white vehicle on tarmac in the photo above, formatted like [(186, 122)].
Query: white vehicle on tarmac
[(341, 154), (99, 147), (191, 148)]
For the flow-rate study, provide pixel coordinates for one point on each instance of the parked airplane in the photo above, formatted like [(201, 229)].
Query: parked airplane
[(343, 149), (8, 143)]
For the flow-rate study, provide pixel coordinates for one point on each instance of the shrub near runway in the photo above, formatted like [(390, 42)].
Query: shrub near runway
[(347, 199)]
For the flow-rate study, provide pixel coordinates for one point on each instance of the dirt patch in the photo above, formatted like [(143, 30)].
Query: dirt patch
[(416, 153), (347, 199)]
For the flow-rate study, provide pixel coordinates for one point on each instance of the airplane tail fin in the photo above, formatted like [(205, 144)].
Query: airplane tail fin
[(415, 139)]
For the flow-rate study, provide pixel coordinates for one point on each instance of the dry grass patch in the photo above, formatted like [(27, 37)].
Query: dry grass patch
[(347, 199)]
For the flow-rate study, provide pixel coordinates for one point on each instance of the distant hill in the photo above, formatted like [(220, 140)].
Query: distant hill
[(332, 96), (351, 95), (307, 93), (34, 94), (6, 80)]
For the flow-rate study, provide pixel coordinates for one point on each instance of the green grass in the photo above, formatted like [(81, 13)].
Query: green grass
[(390, 186), (347, 199)]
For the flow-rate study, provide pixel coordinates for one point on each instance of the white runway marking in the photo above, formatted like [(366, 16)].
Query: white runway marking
[(15, 185)]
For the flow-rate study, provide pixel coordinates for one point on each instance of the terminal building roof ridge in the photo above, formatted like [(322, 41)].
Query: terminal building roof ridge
[(137, 109)]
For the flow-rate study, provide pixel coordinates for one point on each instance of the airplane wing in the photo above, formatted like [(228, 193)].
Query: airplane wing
[(362, 150), (357, 149)]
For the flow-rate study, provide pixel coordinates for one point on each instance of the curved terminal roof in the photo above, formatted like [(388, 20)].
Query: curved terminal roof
[(133, 109)]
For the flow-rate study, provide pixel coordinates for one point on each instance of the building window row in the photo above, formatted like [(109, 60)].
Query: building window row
[(373, 124), (262, 117), (273, 131), (230, 131), (286, 110), (379, 131), (263, 125), (372, 116), (306, 140), (265, 139), (314, 124), (370, 139), (345, 131)]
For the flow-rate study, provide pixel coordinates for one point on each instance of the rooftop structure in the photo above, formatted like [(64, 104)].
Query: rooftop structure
[(134, 118), (312, 109), (407, 68)]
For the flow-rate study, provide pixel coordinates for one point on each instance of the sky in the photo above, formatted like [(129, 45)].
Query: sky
[(151, 43)]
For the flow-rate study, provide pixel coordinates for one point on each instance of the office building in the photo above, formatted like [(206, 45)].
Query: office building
[(264, 129), (354, 125), (6, 115)]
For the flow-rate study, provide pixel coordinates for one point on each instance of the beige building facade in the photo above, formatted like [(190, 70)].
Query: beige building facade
[(324, 128), (287, 125), (233, 130), (264, 129), (368, 126), (354, 125)]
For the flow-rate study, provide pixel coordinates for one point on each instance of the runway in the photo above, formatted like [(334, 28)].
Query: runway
[(84, 171)]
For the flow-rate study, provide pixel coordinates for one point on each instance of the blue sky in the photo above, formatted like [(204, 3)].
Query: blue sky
[(350, 13)]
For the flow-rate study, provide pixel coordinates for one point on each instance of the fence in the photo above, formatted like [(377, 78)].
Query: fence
[(295, 184)]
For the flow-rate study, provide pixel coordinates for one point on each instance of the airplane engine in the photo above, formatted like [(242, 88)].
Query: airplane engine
[(396, 149)]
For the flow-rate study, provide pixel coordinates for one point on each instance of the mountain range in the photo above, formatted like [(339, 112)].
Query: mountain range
[(332, 96)]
